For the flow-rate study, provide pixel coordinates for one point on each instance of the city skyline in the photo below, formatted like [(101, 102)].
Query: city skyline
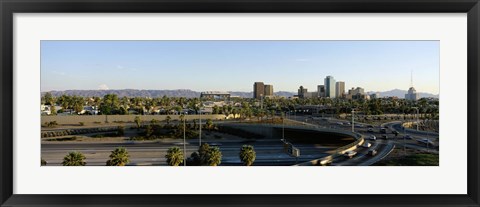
[(235, 65)]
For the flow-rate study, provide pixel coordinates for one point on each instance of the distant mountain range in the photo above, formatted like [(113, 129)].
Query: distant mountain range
[(191, 94), (401, 94), (152, 93)]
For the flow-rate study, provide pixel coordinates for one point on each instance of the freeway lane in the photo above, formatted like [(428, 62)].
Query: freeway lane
[(269, 152)]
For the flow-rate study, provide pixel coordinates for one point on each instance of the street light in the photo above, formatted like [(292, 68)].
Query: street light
[(417, 117), (200, 128), (353, 120), (261, 101), (184, 144), (283, 127), (404, 141)]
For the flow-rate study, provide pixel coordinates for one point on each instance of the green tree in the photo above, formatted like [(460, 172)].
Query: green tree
[(53, 110), (74, 159), (77, 103), (118, 157), (137, 121), (110, 104), (214, 156), (202, 153), (120, 130), (247, 155), (48, 98), (174, 156)]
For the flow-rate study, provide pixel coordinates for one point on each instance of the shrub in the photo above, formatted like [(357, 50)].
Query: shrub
[(81, 123), (121, 131), (43, 162)]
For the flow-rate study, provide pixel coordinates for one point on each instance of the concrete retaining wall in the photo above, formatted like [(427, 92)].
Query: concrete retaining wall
[(75, 119)]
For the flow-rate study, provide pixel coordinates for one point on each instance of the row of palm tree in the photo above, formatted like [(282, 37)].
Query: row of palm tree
[(206, 156), (118, 157), (245, 107)]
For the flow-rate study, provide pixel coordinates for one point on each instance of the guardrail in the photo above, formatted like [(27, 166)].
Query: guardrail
[(338, 152)]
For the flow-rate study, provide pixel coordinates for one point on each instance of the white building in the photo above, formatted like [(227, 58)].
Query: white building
[(412, 94)]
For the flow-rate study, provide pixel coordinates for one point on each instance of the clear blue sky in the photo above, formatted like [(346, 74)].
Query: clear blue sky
[(236, 65)]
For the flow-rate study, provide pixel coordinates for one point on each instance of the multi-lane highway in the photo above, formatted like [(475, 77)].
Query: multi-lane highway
[(268, 151)]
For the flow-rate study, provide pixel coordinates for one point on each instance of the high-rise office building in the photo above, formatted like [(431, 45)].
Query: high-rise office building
[(357, 93), (321, 91), (302, 92), (339, 89), (268, 90), (329, 87), (258, 90)]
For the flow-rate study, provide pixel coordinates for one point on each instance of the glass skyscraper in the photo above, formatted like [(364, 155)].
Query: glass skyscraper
[(330, 87)]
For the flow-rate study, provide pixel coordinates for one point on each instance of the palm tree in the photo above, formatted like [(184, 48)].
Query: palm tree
[(118, 157), (202, 153), (209, 124), (43, 162), (247, 155), (174, 156), (214, 156), (74, 159)]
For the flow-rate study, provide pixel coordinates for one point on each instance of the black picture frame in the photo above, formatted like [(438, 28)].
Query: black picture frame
[(9, 7)]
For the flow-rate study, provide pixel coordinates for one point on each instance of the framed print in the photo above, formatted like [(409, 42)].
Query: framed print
[(240, 103)]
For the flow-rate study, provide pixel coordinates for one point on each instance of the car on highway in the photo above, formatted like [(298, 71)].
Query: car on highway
[(385, 136), (407, 136), (395, 132), (372, 152), (383, 130), (366, 145), (325, 162), (370, 129), (426, 141), (350, 154), (340, 123), (359, 125), (372, 137)]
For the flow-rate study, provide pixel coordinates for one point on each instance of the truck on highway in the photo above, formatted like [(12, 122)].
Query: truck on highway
[(372, 152)]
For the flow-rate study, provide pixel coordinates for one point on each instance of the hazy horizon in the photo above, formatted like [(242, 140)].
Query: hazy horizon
[(236, 65), (346, 90)]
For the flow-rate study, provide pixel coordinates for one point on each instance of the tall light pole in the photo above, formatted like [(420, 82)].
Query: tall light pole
[(404, 142), (184, 143), (417, 117), (295, 113), (283, 127), (200, 128), (353, 120), (261, 101)]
